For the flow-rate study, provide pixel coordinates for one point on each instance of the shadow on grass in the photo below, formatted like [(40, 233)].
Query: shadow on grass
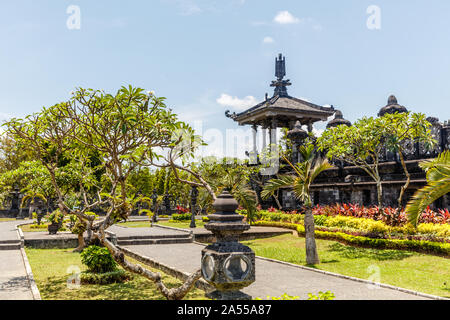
[(375, 254), (56, 288)]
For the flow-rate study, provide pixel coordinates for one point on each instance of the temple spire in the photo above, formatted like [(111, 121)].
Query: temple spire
[(280, 71), (280, 67)]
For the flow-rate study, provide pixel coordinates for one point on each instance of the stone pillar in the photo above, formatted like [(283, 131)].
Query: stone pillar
[(273, 132), (254, 133), (264, 134)]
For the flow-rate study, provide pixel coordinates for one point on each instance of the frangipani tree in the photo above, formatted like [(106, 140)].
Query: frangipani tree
[(305, 174), (359, 145), (401, 129), (123, 131)]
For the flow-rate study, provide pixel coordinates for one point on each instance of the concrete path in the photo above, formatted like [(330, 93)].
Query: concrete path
[(14, 282), (275, 279)]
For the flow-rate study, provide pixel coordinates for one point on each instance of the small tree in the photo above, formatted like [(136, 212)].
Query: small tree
[(123, 131), (305, 174), (399, 129), (360, 145)]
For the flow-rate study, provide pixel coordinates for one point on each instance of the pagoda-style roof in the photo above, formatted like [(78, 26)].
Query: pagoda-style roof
[(285, 109), (392, 107)]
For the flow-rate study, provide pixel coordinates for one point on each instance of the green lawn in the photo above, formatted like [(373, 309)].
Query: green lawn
[(415, 271), (50, 267)]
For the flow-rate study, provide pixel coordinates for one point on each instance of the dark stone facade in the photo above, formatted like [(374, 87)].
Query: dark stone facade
[(350, 184)]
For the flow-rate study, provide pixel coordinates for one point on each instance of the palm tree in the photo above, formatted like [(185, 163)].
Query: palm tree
[(438, 178), (306, 171)]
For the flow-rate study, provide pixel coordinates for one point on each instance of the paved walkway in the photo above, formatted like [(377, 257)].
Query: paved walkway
[(14, 283), (275, 279)]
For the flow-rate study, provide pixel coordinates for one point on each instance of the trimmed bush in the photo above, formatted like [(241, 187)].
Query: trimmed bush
[(98, 259), (117, 276), (181, 217), (414, 245)]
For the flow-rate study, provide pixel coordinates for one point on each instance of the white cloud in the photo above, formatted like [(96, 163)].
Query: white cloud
[(236, 103), (268, 40), (284, 17), (188, 7)]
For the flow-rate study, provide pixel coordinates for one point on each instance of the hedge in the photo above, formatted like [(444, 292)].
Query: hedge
[(413, 245), (368, 226)]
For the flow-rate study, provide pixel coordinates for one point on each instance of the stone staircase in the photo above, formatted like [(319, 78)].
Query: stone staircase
[(9, 245), (140, 236), (157, 239)]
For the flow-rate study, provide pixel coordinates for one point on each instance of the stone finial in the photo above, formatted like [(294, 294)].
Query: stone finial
[(297, 134), (392, 100), (392, 107), (338, 120)]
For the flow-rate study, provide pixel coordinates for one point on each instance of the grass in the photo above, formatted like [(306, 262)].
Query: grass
[(415, 271), (50, 269)]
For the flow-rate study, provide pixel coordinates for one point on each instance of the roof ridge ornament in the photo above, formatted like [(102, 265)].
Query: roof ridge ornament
[(280, 72)]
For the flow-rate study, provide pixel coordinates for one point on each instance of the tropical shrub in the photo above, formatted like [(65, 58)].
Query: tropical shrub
[(356, 240), (181, 210), (181, 217), (117, 276), (98, 259), (55, 217)]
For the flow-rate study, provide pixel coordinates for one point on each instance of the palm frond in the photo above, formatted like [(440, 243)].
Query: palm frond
[(247, 199), (274, 184), (426, 196)]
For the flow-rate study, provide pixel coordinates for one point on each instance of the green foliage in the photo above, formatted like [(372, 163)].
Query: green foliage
[(320, 296), (79, 226), (181, 216), (413, 245), (98, 259), (306, 172), (55, 217), (117, 276), (438, 178), (367, 226)]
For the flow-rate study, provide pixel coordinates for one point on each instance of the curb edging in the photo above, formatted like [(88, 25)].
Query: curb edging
[(34, 289)]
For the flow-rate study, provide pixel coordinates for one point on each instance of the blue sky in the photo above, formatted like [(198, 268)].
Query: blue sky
[(200, 53)]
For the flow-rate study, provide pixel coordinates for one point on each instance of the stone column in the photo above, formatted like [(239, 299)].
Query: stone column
[(254, 133), (264, 134), (273, 132)]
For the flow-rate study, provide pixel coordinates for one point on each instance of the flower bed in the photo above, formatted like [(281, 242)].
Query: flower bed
[(402, 244), (355, 220)]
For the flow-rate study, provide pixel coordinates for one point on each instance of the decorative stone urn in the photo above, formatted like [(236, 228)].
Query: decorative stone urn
[(227, 264)]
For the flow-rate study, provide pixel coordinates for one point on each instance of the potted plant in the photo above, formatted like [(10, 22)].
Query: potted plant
[(56, 219)]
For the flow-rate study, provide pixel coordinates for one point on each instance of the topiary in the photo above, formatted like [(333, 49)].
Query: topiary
[(98, 259)]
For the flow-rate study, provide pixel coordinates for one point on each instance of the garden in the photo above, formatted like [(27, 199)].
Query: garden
[(94, 161)]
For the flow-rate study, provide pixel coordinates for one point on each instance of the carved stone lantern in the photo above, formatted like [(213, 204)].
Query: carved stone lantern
[(297, 135), (227, 264)]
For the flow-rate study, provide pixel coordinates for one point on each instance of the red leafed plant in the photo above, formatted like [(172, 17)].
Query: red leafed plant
[(181, 210), (390, 215)]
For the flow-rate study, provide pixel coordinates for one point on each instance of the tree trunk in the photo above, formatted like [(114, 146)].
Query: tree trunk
[(406, 185), (312, 256), (380, 199), (81, 243)]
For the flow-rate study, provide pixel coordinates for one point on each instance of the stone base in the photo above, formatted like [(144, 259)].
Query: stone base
[(228, 295)]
